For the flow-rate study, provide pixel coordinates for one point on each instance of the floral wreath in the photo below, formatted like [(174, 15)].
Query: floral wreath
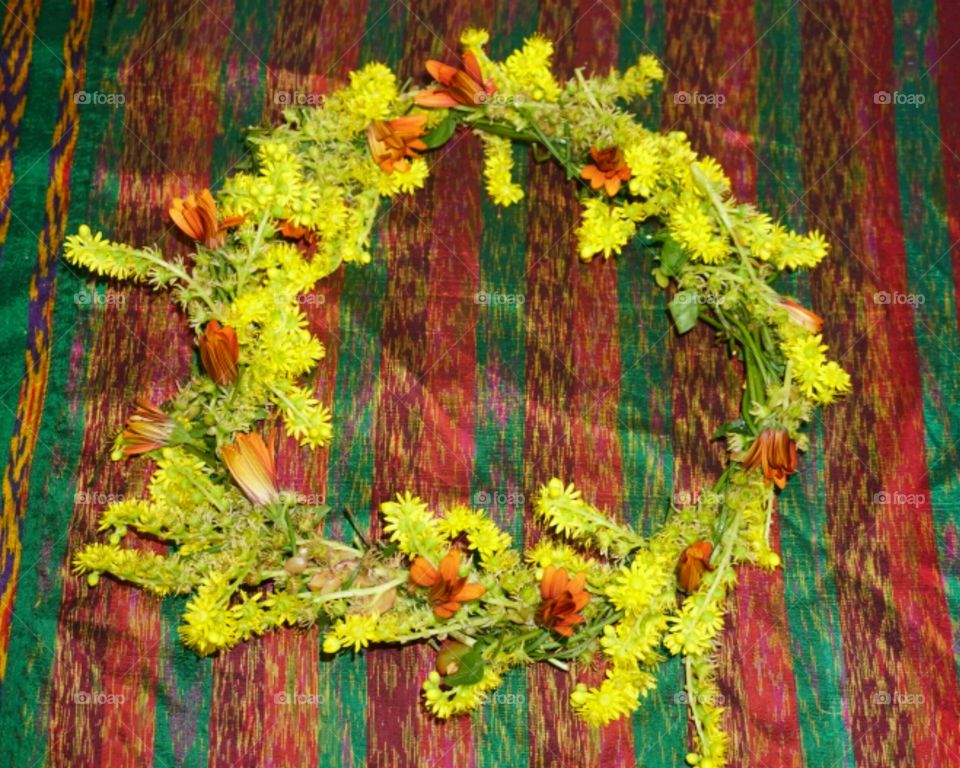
[(253, 558)]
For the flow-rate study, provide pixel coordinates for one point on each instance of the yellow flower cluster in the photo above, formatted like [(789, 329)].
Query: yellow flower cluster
[(498, 171), (492, 545), (564, 510), (604, 229), (819, 379), (458, 699), (527, 70), (413, 526)]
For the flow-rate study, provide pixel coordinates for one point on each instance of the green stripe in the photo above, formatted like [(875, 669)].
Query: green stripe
[(342, 739), (182, 715), (24, 713), (501, 725), (809, 587), (31, 174), (929, 275), (659, 725)]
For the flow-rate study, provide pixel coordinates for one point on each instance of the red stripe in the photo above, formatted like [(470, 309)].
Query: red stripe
[(557, 736), (835, 102), (948, 25), (109, 638), (907, 531), (598, 467), (446, 454), (313, 47)]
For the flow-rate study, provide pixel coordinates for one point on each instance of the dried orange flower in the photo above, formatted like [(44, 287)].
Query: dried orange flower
[(393, 141), (463, 86), (776, 453), (694, 561), (607, 171), (147, 428), (448, 590), (563, 599), (251, 464), (196, 216), (802, 316), (219, 353)]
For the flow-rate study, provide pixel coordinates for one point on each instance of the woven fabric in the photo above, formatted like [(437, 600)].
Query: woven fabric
[(475, 358)]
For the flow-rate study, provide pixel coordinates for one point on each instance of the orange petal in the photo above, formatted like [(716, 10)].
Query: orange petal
[(577, 583), (442, 73), (450, 565), (423, 573), (470, 592), (446, 610), (472, 66), (546, 582), (434, 98), (564, 630)]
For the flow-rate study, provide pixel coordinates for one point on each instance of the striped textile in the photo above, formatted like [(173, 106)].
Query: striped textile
[(841, 115)]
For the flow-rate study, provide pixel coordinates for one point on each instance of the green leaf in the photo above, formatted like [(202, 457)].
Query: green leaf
[(441, 134), (672, 257), (684, 309), (471, 668)]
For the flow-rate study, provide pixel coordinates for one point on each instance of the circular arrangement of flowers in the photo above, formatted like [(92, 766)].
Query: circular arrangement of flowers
[(253, 558)]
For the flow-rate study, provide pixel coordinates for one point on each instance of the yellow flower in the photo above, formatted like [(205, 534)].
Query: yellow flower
[(528, 69), (817, 378), (696, 230), (603, 229), (357, 630), (413, 527), (371, 93), (498, 171), (404, 181)]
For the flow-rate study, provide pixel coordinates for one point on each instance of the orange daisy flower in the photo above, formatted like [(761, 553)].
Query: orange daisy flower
[(251, 464), (196, 216), (448, 590), (694, 562), (563, 599), (220, 352), (461, 86), (776, 453), (393, 141), (608, 170), (147, 428)]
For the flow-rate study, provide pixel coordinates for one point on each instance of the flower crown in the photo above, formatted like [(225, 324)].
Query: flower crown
[(253, 557)]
